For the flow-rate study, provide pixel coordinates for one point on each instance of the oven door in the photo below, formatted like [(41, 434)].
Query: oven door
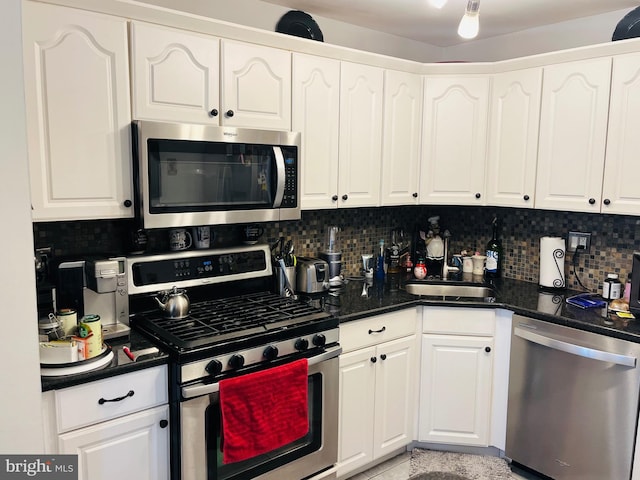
[(201, 458)]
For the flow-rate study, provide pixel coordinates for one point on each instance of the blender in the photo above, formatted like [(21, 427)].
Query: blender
[(333, 256)]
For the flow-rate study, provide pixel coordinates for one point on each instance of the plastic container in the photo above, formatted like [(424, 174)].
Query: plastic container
[(611, 287)]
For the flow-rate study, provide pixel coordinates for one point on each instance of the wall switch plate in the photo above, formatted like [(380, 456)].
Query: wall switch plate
[(579, 239)]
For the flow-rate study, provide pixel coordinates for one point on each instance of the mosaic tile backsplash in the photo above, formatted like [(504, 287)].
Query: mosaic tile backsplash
[(613, 241)]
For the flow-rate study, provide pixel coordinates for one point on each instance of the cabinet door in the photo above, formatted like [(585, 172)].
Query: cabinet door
[(573, 129), (513, 141), (76, 72), (361, 90), (402, 122), (175, 75), (454, 141), (133, 446), (455, 389), (356, 412), (316, 114), (256, 86), (620, 191), (394, 398)]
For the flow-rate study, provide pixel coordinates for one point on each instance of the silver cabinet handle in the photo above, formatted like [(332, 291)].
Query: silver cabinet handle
[(586, 352)]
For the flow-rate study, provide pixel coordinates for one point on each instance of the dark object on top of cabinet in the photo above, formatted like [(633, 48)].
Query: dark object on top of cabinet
[(299, 24), (628, 27)]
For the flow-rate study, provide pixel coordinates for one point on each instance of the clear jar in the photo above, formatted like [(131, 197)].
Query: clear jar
[(611, 287)]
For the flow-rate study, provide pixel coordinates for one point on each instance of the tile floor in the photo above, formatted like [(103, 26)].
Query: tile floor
[(397, 468)]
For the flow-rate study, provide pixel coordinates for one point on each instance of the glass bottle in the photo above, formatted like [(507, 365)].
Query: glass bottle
[(493, 266)]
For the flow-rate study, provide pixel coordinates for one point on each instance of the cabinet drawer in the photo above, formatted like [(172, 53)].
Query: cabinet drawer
[(378, 329), (80, 406), (466, 321)]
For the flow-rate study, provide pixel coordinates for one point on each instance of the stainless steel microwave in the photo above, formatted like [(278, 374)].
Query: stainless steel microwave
[(189, 174)]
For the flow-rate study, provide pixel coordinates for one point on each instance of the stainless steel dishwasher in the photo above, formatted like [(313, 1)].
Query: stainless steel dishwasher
[(573, 402)]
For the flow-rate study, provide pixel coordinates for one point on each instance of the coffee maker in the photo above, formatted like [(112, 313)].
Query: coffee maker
[(333, 256), (97, 287)]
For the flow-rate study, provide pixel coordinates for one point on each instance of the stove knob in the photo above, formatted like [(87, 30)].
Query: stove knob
[(302, 344), (319, 340), (236, 361), (270, 353), (214, 367)]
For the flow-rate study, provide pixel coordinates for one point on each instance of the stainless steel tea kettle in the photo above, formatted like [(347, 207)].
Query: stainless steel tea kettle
[(174, 303)]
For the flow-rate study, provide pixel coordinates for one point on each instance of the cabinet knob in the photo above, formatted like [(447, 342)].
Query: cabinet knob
[(334, 198), (606, 201), (478, 195), (414, 194), (214, 112), (164, 423), (383, 356), (592, 201), (345, 196), (487, 349), (526, 198), (127, 203), (374, 359), (229, 113)]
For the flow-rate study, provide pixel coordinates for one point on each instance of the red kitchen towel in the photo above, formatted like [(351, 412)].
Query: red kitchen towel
[(264, 410)]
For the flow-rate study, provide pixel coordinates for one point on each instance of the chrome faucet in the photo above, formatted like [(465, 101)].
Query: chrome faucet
[(446, 269)]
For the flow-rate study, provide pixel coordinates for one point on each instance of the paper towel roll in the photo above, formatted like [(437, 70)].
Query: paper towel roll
[(552, 252)]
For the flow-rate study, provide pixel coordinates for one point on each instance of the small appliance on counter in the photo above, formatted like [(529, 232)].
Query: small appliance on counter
[(97, 287), (312, 275), (634, 295), (333, 256)]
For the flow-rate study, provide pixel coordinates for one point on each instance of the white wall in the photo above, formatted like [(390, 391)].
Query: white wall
[(20, 409), (559, 36), (258, 14), (265, 16)]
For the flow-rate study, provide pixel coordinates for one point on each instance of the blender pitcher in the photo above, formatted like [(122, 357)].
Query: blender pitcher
[(333, 255)]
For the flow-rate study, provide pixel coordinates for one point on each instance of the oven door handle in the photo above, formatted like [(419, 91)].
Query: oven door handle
[(200, 389)]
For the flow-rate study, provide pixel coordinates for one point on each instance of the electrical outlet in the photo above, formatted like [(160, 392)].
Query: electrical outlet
[(42, 257), (579, 240)]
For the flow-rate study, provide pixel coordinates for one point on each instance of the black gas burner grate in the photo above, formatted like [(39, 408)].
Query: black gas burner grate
[(213, 321)]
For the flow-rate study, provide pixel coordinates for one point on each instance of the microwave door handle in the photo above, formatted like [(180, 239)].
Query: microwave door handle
[(280, 174)]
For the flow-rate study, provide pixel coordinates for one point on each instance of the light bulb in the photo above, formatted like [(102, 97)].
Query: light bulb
[(437, 3), (470, 23)]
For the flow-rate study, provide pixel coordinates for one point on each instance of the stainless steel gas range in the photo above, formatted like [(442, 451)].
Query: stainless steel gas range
[(236, 327)]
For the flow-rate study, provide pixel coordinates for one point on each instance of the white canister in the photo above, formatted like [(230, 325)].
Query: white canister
[(90, 330), (467, 265), (69, 320)]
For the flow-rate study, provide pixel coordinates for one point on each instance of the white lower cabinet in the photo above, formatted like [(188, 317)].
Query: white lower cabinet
[(456, 376), (118, 427), (378, 374), (133, 446)]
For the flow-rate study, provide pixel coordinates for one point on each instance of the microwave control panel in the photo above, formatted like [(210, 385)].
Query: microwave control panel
[(290, 198)]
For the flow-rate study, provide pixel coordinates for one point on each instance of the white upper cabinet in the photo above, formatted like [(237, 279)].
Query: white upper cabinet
[(454, 140), (76, 78), (513, 140), (573, 131), (256, 86), (175, 75), (620, 190), (316, 114), (361, 100), (402, 122)]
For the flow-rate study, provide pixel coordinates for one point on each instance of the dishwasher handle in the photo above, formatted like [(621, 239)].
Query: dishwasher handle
[(586, 352)]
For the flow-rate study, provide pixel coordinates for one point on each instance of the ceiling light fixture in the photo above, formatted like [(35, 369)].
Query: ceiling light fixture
[(470, 23), (437, 3)]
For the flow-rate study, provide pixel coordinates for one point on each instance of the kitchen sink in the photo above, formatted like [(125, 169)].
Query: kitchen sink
[(446, 289)]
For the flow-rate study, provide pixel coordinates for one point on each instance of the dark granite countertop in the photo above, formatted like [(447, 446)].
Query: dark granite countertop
[(120, 364), (524, 298), (351, 302)]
